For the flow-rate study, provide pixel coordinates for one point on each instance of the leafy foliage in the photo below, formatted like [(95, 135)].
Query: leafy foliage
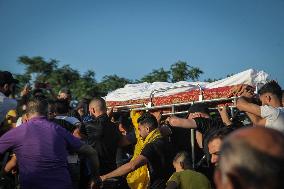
[(112, 82), (86, 86), (157, 75), (182, 72)]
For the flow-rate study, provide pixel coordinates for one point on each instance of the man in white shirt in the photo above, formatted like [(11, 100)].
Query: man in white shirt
[(7, 84), (271, 112)]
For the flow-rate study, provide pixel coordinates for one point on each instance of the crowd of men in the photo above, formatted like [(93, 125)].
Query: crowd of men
[(45, 143)]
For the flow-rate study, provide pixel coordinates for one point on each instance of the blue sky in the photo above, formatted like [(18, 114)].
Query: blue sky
[(130, 38)]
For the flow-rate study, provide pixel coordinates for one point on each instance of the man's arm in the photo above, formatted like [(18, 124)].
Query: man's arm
[(224, 115), (257, 121), (246, 106), (181, 122), (126, 168), (253, 111)]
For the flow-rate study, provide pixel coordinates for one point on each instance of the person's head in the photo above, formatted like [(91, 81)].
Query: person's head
[(198, 110), (146, 124), (7, 83), (64, 93), (182, 161), (97, 106), (123, 124), (38, 93), (214, 141), (61, 107), (82, 107), (37, 107), (271, 94), (251, 158)]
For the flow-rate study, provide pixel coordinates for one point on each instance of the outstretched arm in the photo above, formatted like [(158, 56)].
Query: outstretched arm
[(126, 168), (181, 122)]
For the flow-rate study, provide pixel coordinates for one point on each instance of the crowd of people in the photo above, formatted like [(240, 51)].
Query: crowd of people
[(45, 143)]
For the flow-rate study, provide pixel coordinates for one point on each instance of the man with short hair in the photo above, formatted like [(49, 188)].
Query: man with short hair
[(271, 112), (252, 158), (213, 142), (102, 134), (157, 155), (185, 177), (41, 150)]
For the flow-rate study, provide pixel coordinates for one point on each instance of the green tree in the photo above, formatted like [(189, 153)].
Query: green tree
[(38, 66), (63, 77), (157, 75), (111, 82), (86, 86), (180, 71)]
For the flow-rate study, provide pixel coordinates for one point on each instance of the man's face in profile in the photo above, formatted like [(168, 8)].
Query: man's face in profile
[(214, 150)]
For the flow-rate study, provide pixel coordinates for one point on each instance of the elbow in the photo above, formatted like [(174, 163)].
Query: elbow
[(131, 167)]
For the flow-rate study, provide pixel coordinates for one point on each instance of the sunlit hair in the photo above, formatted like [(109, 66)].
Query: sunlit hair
[(98, 103), (247, 167), (184, 158), (37, 105)]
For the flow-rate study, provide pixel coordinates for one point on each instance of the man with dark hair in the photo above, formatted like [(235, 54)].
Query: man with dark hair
[(213, 142), (7, 86), (41, 150), (271, 112), (157, 154), (251, 158), (62, 110)]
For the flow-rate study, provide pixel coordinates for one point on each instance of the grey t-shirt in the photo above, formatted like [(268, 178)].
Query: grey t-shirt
[(274, 117)]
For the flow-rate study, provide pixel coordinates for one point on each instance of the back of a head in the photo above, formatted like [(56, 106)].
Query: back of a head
[(271, 87), (37, 106), (149, 119), (61, 106), (183, 158), (99, 104), (203, 108), (248, 164)]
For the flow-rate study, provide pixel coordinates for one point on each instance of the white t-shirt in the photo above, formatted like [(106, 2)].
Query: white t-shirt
[(274, 117), (6, 104)]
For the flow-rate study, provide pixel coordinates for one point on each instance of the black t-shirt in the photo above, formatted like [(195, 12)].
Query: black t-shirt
[(103, 135), (160, 156)]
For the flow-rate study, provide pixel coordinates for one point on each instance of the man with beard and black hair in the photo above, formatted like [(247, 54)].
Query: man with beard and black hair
[(7, 87)]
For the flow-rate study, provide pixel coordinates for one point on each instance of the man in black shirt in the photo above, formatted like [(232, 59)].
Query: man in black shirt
[(157, 154), (102, 134)]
